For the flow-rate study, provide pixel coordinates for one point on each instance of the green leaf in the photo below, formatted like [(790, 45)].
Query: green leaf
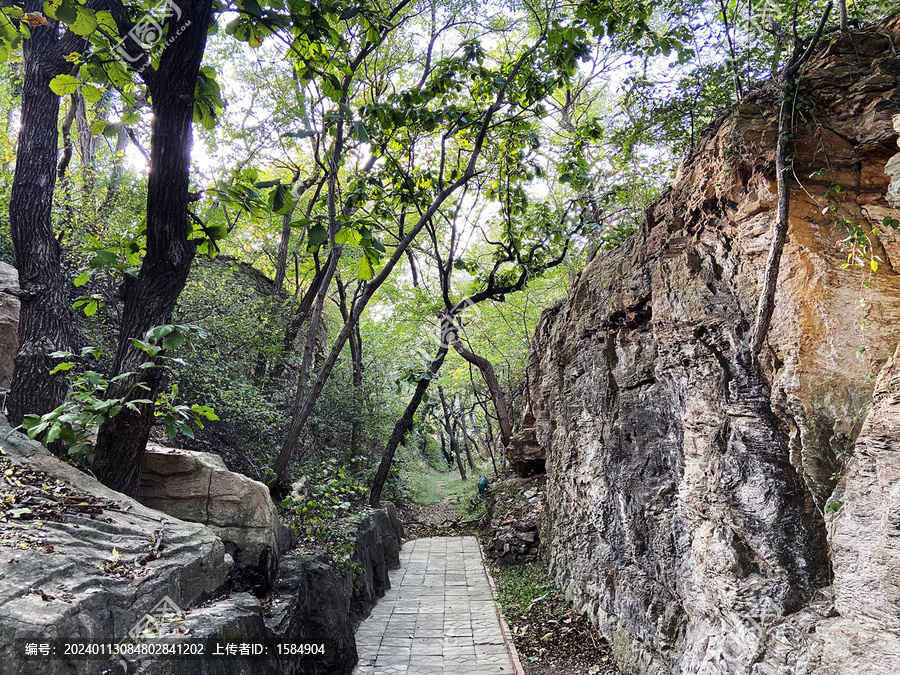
[(365, 269), (132, 117), (206, 412), (62, 10), (85, 22), (349, 13), (53, 434), (98, 127), (252, 8), (158, 332), (37, 430), (267, 183), (64, 84), (106, 22), (281, 201), (95, 378), (174, 340), (359, 130), (298, 134), (66, 365), (331, 87), (82, 279), (874, 265), (95, 352), (317, 236), (103, 258), (145, 347), (347, 235), (91, 95)]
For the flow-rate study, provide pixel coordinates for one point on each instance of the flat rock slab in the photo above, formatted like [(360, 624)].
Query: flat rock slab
[(438, 617)]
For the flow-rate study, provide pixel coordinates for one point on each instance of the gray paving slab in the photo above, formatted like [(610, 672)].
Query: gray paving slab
[(439, 617)]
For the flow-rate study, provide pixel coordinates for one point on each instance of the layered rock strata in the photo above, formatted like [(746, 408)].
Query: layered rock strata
[(688, 480)]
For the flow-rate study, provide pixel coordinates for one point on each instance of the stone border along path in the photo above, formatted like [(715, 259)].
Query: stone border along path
[(438, 617)]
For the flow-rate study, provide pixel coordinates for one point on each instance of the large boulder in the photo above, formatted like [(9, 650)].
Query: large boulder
[(198, 487), (687, 478), (311, 602), (238, 620), (79, 560)]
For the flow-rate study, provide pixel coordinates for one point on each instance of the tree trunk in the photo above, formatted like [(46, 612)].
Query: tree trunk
[(46, 322), (465, 437), (450, 425), (355, 343), (281, 265), (766, 304), (488, 443), (150, 299), (447, 456), (309, 349), (403, 426), (68, 145), (454, 448), (300, 316), (493, 385), (87, 150)]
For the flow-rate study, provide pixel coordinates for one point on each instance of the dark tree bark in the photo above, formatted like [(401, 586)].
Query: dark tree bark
[(403, 427), (299, 318), (450, 425), (281, 264), (355, 344), (465, 438), (87, 143), (445, 453), (151, 298), (68, 146), (454, 448), (46, 320), (493, 385)]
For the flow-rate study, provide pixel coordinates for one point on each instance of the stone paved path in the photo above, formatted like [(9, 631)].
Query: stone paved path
[(439, 617)]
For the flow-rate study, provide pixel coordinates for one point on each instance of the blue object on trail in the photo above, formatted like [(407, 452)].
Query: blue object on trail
[(482, 486)]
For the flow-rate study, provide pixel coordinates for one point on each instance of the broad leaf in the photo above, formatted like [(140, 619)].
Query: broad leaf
[(62, 85)]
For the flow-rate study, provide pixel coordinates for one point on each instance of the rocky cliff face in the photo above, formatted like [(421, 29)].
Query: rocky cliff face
[(688, 481)]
